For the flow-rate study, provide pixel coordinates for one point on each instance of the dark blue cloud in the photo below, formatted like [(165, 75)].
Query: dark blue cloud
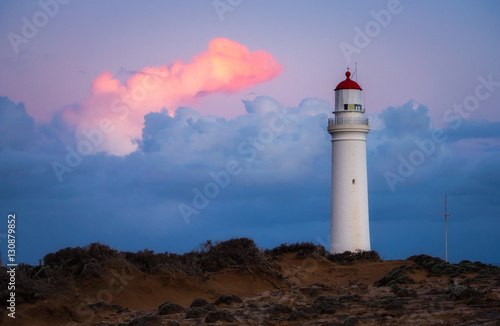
[(469, 129), (405, 120), (16, 127), (281, 193)]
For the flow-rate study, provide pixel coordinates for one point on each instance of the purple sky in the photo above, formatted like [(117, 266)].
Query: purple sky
[(431, 79)]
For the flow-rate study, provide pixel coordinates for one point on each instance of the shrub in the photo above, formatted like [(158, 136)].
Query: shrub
[(349, 257), (73, 260), (146, 260), (34, 282), (231, 253), (396, 276), (210, 257), (437, 266), (303, 249)]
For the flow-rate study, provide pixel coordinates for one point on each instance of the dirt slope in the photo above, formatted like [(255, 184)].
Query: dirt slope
[(293, 291)]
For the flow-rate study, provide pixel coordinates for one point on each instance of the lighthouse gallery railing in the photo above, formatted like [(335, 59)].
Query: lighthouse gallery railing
[(347, 121)]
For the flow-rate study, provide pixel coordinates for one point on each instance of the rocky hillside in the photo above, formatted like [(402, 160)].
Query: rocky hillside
[(233, 282)]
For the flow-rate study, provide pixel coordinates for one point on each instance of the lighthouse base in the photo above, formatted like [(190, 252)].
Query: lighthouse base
[(350, 229)]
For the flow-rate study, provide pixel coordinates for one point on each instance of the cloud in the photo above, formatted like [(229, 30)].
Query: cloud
[(405, 120), (118, 109), (476, 129), (16, 127), (189, 138), (281, 195)]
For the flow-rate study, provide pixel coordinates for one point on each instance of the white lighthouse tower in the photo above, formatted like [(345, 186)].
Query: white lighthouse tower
[(350, 224)]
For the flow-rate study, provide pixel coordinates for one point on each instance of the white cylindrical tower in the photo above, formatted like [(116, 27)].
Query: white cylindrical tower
[(350, 229)]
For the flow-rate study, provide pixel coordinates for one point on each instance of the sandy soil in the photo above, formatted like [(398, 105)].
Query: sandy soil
[(298, 291)]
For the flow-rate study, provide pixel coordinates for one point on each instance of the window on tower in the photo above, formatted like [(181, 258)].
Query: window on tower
[(357, 107), (346, 106)]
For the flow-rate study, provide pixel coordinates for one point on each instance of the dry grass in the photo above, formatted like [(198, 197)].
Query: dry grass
[(62, 270)]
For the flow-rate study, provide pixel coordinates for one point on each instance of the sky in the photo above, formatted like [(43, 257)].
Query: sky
[(163, 124)]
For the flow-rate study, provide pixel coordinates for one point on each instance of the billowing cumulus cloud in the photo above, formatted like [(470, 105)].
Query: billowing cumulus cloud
[(280, 193), (117, 110), (16, 127)]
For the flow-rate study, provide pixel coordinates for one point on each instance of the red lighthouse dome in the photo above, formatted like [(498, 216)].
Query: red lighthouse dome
[(348, 83)]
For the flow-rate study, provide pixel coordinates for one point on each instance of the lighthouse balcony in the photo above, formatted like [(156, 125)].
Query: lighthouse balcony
[(347, 121)]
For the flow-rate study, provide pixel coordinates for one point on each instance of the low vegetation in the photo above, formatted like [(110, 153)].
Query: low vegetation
[(302, 250), (62, 270), (437, 267), (350, 257)]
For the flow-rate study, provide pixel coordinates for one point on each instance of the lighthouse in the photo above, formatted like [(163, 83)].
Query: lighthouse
[(350, 230)]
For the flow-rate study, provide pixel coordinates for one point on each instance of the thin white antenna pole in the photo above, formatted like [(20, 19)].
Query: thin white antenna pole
[(445, 228)]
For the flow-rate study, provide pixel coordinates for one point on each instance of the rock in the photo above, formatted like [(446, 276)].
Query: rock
[(326, 305), (349, 298), (460, 292), (146, 321), (228, 299), (251, 304), (435, 291), (467, 281), (311, 291), (493, 296), (350, 321), (406, 293), (210, 307), (195, 313), (168, 308), (119, 309), (298, 314), (277, 309), (197, 302), (379, 291), (215, 316), (473, 301), (391, 303), (440, 298), (99, 306)]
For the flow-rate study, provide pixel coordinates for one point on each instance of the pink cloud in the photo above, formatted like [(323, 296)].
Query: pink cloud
[(226, 67)]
